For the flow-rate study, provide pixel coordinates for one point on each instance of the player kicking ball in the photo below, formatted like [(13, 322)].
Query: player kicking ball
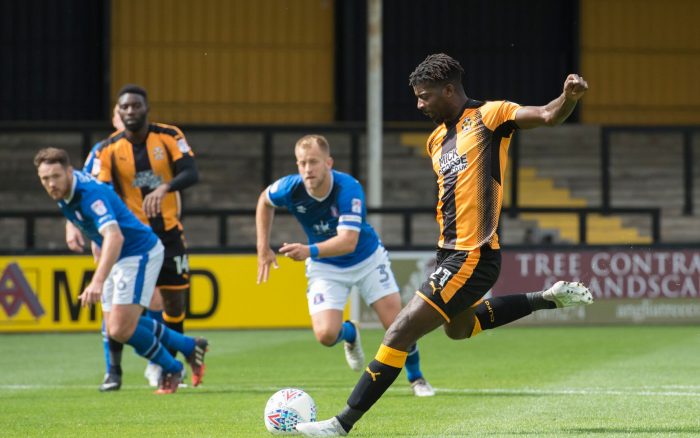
[(468, 150), (343, 251)]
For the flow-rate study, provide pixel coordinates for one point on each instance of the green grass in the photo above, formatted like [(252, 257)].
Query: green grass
[(601, 381)]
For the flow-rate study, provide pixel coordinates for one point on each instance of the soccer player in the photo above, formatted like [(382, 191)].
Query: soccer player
[(468, 149), (343, 251), (128, 262), (76, 243), (149, 164)]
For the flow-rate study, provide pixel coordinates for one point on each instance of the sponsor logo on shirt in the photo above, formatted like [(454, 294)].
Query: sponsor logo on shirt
[(147, 179), (183, 146), (356, 205), (452, 162)]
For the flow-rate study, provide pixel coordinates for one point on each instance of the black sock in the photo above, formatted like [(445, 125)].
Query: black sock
[(495, 312), (375, 380), (115, 356), (537, 301)]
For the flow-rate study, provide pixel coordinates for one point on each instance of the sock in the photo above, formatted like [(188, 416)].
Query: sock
[(537, 301), (105, 345), (495, 312), (169, 338), (115, 356), (147, 345), (377, 378), (176, 324), (413, 371), (155, 314), (347, 333)]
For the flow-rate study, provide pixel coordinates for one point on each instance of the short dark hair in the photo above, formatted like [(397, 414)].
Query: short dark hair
[(52, 156), (133, 88), (435, 69)]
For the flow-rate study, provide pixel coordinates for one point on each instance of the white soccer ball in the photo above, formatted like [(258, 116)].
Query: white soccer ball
[(286, 408)]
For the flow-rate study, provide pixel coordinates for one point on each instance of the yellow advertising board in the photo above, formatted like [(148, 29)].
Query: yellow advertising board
[(40, 294)]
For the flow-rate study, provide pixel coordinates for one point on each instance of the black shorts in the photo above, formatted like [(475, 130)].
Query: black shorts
[(460, 279), (175, 273)]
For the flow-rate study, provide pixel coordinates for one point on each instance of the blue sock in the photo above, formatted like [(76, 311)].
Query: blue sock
[(105, 344), (155, 314), (147, 345), (347, 333), (169, 338), (413, 371)]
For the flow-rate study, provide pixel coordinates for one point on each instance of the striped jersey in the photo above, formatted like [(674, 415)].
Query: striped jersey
[(135, 170), (469, 156)]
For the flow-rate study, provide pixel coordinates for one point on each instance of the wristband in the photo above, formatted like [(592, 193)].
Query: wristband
[(313, 249)]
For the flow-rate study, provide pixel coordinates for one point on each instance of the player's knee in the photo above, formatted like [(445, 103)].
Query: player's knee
[(120, 332), (326, 337), (457, 333), (174, 303)]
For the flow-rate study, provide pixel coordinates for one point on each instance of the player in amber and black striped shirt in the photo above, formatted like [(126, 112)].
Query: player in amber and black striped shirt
[(148, 164), (468, 149)]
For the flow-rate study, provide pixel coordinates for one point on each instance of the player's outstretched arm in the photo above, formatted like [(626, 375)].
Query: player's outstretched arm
[(344, 243), (74, 238), (264, 215), (556, 111)]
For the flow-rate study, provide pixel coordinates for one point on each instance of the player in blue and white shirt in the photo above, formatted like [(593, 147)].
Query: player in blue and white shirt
[(342, 251), (128, 263)]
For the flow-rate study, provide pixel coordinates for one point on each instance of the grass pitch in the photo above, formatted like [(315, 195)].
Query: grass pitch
[(551, 382)]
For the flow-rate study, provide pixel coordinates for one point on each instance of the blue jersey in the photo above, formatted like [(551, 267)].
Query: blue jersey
[(92, 162), (94, 205), (343, 208)]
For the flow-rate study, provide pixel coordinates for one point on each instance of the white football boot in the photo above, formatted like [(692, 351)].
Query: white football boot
[(152, 374), (421, 388), (567, 294), (353, 352), (330, 427)]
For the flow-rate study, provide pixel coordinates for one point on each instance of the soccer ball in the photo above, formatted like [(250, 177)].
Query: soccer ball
[(286, 408)]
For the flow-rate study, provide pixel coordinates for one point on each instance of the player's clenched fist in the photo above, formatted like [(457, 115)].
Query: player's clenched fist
[(575, 87)]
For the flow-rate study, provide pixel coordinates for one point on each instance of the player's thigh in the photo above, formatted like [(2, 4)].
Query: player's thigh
[(174, 281), (134, 278), (460, 279), (326, 293), (376, 280), (387, 308)]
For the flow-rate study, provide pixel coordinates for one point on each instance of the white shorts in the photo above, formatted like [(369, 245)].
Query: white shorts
[(133, 279), (329, 286)]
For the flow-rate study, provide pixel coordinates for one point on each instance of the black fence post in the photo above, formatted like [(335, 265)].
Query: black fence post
[(582, 227), (223, 230), (605, 167), (656, 226), (355, 154), (688, 172), (267, 159), (29, 232), (407, 231)]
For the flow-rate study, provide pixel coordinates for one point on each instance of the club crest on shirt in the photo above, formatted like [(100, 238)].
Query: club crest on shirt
[(467, 124), (99, 207), (158, 153), (301, 209)]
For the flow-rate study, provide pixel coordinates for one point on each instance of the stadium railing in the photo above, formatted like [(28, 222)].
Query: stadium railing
[(406, 213)]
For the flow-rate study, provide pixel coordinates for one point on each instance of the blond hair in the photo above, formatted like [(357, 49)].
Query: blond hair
[(309, 140)]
